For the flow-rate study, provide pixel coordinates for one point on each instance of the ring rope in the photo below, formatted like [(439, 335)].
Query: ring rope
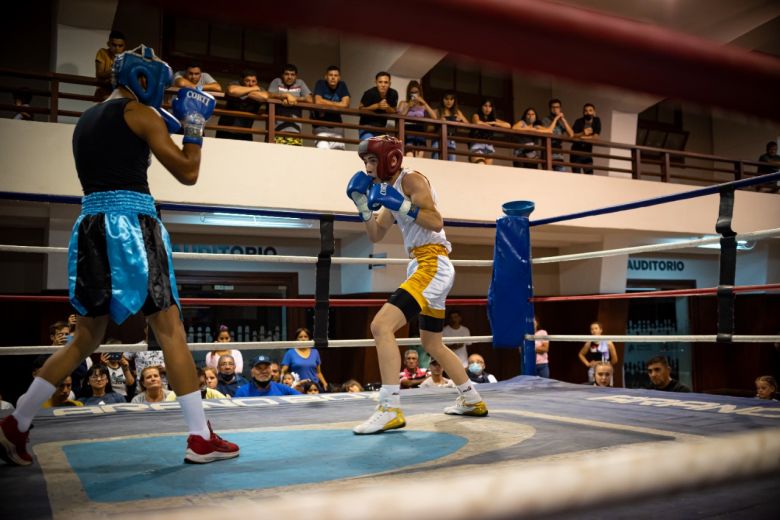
[(274, 259)]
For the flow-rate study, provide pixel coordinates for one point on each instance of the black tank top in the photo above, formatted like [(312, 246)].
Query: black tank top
[(109, 156)]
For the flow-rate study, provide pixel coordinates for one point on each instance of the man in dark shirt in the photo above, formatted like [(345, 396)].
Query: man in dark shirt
[(770, 157), (243, 96), (586, 128), (330, 92), (382, 100), (262, 383), (658, 370)]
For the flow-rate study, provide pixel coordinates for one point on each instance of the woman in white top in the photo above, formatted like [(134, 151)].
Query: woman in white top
[(212, 358), (594, 351), (152, 388)]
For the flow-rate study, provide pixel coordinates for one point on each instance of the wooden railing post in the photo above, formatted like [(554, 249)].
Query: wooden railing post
[(271, 128), (636, 163), (444, 148), (548, 153), (666, 168), (739, 170), (55, 100)]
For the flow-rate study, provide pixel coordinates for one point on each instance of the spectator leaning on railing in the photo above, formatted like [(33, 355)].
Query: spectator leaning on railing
[(485, 116), (556, 124), (449, 111), (193, 77), (529, 121), (242, 96), (104, 63), (586, 128), (330, 92), (295, 90), (770, 157), (382, 100)]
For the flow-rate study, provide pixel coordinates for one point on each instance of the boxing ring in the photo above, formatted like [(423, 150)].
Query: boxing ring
[(679, 455)]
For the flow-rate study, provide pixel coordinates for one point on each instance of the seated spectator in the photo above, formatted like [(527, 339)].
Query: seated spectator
[(72, 323), (212, 358), (542, 349), (229, 379), (119, 373), (585, 128), (212, 379), (98, 391), (261, 384), (288, 379), (23, 98), (352, 386), (294, 90), (305, 362), (485, 116), (529, 121), (276, 372), (330, 92), (770, 157), (104, 63), (242, 96), (193, 77), (152, 389), (412, 375), (207, 392), (595, 351), (766, 388), (309, 387), (381, 99), (5, 405), (437, 377), (477, 372), (59, 333), (61, 396), (602, 374), (556, 124), (659, 371), (449, 111), (415, 106)]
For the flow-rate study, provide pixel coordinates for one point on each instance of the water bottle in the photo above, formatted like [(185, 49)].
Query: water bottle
[(208, 334), (190, 334), (199, 335)]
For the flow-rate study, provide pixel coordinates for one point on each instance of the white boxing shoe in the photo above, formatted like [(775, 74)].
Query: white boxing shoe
[(384, 418)]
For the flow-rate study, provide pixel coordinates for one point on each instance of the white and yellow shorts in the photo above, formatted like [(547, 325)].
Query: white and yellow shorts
[(430, 276)]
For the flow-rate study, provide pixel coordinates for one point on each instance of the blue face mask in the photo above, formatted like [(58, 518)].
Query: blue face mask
[(475, 368)]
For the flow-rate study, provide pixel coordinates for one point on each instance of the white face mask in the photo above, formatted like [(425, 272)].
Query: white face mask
[(475, 368)]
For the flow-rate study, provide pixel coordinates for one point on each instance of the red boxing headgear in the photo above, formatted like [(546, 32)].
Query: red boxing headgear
[(389, 153)]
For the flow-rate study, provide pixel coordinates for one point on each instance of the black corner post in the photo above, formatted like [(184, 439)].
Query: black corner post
[(728, 266), (322, 289)]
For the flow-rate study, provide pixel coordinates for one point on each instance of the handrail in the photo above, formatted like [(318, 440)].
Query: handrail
[(638, 160)]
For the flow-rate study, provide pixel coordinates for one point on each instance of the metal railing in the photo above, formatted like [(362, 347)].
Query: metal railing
[(638, 162)]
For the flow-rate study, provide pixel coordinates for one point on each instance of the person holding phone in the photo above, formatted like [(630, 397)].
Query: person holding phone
[(118, 370)]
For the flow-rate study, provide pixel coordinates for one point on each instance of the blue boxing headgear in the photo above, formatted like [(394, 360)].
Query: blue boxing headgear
[(141, 61)]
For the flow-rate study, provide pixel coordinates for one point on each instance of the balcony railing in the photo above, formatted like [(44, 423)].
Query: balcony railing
[(638, 162)]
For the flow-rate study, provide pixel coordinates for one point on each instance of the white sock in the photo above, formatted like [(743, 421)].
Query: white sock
[(390, 395), (28, 404), (192, 408), (469, 392)]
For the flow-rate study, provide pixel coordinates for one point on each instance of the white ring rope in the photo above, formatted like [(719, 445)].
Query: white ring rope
[(352, 343), (274, 259), (524, 491)]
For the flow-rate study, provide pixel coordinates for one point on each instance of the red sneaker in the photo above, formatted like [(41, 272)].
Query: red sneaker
[(202, 451), (13, 443)]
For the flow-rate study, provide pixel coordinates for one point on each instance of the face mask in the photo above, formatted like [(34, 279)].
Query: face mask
[(475, 368)]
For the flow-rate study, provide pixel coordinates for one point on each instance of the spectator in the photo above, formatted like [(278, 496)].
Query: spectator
[(330, 92), (72, 322), (242, 96), (212, 358), (276, 372), (415, 106), (99, 390), (352, 386), (62, 395), (5, 405), (592, 352), (412, 375), (529, 121), (261, 384), (449, 111), (59, 333), (766, 388), (455, 329), (437, 377), (770, 157), (119, 374), (288, 379), (104, 63), (602, 373), (658, 370), (304, 361), (585, 128), (381, 99), (152, 390), (292, 89), (556, 124), (229, 380), (23, 98), (212, 379), (477, 372), (542, 348), (206, 391), (193, 77), (309, 387), (485, 116), (148, 358)]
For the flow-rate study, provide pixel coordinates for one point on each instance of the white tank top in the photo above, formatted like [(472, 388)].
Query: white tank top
[(414, 234)]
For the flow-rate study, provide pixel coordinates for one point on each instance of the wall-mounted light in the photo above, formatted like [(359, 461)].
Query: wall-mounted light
[(241, 220)]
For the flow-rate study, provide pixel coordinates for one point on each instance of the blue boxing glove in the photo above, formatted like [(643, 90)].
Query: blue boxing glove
[(174, 127), (193, 108), (385, 195), (357, 190)]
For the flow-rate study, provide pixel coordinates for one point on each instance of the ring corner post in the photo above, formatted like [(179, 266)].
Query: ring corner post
[(510, 309)]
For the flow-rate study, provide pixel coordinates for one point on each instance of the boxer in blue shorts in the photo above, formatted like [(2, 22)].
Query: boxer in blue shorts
[(385, 194), (119, 259)]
